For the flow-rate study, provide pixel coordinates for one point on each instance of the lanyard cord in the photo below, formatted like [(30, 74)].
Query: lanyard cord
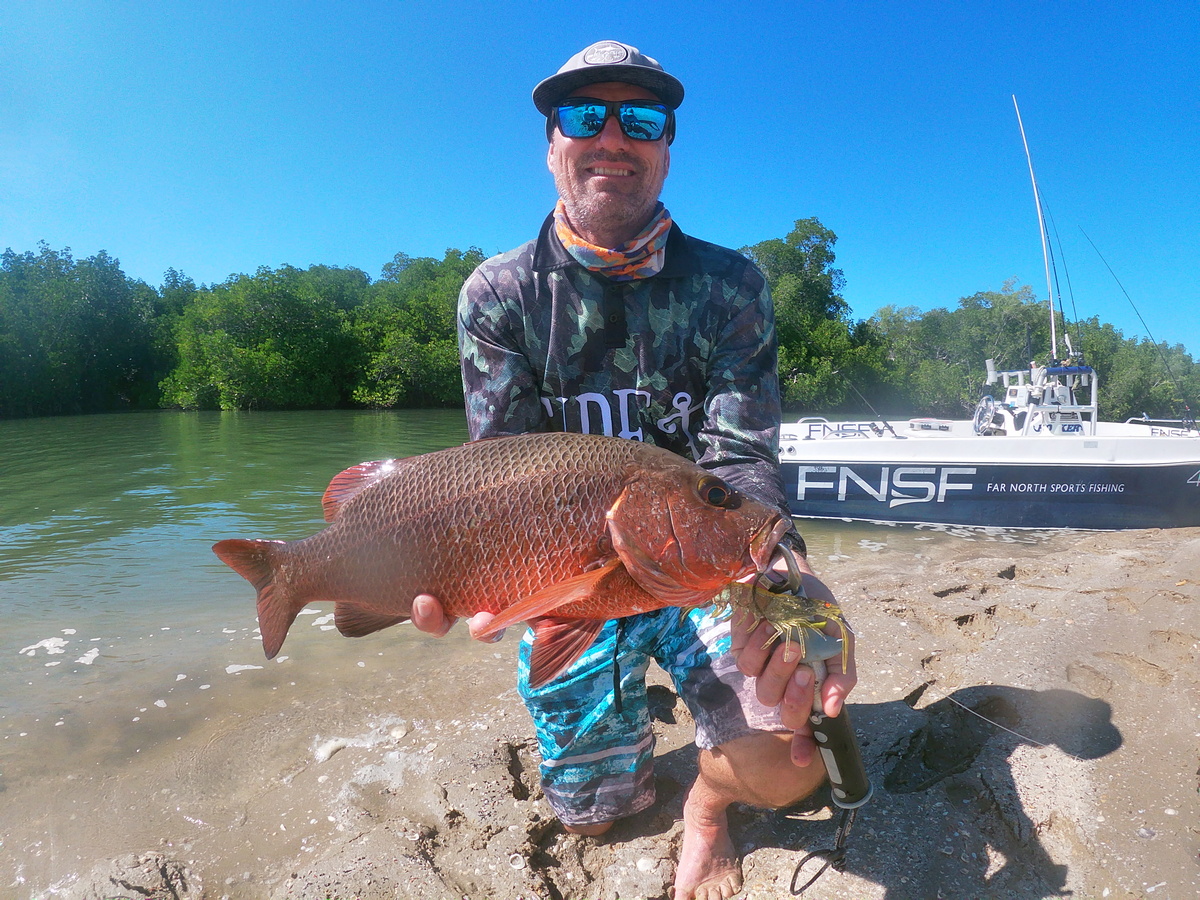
[(835, 857)]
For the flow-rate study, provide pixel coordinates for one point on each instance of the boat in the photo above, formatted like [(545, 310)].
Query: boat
[(1035, 454)]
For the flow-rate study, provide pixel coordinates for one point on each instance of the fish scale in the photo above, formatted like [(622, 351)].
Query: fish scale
[(562, 530)]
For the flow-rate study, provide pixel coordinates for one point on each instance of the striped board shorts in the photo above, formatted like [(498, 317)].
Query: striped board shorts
[(597, 747)]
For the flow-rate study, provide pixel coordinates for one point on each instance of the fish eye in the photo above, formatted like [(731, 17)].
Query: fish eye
[(714, 491)]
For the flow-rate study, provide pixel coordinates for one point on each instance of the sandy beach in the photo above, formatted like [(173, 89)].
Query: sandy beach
[(371, 769)]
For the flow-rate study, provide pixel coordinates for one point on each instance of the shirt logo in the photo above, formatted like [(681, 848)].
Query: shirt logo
[(619, 415)]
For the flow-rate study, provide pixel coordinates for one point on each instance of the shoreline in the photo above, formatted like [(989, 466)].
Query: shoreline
[(386, 767)]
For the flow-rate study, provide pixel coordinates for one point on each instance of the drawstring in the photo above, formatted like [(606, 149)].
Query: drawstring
[(616, 667)]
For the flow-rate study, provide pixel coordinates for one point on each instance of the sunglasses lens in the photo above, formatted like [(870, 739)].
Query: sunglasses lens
[(640, 121), (581, 120), (643, 123)]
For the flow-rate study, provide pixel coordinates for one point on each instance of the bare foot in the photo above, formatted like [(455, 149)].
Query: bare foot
[(709, 867)]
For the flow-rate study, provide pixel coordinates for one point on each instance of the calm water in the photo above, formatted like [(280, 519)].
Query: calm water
[(106, 523), (109, 593)]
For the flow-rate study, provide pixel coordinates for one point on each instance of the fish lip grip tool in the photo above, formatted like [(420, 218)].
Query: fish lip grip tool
[(836, 740), (838, 745)]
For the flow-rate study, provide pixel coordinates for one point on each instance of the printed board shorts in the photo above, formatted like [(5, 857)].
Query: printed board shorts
[(598, 749)]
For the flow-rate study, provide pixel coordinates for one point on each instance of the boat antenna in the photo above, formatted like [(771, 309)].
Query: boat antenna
[(1037, 199), (1074, 320), (1189, 418)]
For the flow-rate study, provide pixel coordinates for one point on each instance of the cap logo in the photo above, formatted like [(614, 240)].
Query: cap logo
[(605, 54)]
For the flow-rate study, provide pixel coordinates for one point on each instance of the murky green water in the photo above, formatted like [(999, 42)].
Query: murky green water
[(106, 524)]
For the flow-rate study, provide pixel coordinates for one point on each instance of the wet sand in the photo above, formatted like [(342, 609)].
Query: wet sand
[(399, 766)]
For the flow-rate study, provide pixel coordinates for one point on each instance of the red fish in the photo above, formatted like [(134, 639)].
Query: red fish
[(561, 530)]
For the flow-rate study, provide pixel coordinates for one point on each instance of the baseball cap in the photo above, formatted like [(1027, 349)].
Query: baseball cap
[(608, 61)]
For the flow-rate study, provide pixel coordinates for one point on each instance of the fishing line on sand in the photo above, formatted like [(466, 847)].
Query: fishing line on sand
[(929, 684), (851, 789), (996, 724), (835, 857)]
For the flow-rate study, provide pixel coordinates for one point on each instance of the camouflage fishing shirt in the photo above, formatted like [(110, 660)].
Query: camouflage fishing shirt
[(685, 359)]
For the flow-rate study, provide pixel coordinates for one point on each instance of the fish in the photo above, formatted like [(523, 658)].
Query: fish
[(564, 531)]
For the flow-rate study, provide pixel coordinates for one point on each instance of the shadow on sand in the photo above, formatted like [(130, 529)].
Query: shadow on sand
[(947, 819)]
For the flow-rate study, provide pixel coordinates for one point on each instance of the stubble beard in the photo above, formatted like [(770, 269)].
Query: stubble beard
[(596, 213)]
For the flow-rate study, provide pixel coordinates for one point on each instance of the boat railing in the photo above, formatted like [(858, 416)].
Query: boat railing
[(1144, 419), (1059, 418), (1043, 400)]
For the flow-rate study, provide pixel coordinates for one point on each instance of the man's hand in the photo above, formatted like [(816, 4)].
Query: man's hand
[(429, 616), (783, 681)]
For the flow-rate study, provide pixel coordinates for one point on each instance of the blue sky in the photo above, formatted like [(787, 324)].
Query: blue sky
[(218, 137)]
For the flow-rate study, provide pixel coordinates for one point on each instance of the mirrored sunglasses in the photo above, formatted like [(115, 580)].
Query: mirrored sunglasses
[(641, 120)]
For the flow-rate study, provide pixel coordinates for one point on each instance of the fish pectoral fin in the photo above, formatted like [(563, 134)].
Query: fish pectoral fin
[(345, 485), (548, 599), (355, 621), (557, 643)]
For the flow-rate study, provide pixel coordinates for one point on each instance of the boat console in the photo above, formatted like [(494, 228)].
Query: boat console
[(1040, 400)]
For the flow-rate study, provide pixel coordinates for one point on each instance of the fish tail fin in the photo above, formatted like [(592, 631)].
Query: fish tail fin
[(256, 562)]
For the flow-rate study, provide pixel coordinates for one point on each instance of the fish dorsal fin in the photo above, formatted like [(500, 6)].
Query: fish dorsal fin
[(347, 484), (557, 643), (557, 595)]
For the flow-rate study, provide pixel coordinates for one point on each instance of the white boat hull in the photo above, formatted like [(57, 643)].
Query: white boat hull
[(938, 471)]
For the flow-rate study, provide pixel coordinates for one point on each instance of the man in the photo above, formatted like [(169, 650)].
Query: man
[(613, 321)]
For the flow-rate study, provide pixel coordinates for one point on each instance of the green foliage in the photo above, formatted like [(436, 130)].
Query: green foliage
[(939, 357), (1138, 376), (75, 336), (278, 339), (322, 337), (80, 336), (800, 267), (823, 355), (407, 332)]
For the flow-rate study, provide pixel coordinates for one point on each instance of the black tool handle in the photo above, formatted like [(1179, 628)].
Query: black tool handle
[(838, 745)]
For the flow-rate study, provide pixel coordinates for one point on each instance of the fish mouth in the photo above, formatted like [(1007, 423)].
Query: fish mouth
[(764, 542)]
